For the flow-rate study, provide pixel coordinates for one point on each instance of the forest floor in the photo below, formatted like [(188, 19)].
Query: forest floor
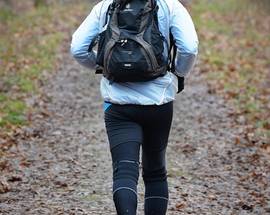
[(60, 162)]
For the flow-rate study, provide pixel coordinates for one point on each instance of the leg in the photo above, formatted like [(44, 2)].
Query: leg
[(125, 138), (156, 134), (125, 177), (155, 180)]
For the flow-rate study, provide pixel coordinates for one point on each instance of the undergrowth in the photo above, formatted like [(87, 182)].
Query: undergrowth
[(235, 56), (29, 44)]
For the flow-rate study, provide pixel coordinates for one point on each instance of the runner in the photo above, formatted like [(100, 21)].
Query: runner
[(139, 114)]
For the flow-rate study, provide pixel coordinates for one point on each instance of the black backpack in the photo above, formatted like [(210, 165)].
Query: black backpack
[(131, 48)]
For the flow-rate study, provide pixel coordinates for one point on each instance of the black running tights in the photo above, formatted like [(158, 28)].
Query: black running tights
[(130, 127)]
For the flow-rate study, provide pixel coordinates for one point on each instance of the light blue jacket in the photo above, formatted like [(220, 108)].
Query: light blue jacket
[(171, 15)]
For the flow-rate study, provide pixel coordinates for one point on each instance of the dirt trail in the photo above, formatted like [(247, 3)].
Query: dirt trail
[(62, 165)]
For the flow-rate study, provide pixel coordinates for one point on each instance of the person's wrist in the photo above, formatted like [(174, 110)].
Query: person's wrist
[(181, 78), (181, 84)]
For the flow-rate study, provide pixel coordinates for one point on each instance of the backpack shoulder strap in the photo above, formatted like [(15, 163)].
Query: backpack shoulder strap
[(172, 54), (109, 12)]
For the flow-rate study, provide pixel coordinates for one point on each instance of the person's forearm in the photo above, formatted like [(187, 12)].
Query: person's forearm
[(85, 58), (186, 39), (184, 63)]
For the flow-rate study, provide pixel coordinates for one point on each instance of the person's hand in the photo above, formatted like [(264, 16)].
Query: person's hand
[(181, 84)]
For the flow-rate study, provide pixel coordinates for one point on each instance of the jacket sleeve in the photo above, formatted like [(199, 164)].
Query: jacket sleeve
[(83, 37), (185, 36)]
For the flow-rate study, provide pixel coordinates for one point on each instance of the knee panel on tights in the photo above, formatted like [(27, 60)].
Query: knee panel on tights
[(126, 169)]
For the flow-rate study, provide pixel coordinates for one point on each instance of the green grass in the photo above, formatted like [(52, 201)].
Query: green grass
[(29, 44), (13, 112), (6, 14)]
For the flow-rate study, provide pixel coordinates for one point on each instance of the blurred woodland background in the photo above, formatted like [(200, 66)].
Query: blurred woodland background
[(211, 166)]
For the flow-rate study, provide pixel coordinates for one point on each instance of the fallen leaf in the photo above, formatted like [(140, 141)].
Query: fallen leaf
[(212, 197), (4, 186), (247, 207), (15, 178), (4, 165), (180, 206)]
